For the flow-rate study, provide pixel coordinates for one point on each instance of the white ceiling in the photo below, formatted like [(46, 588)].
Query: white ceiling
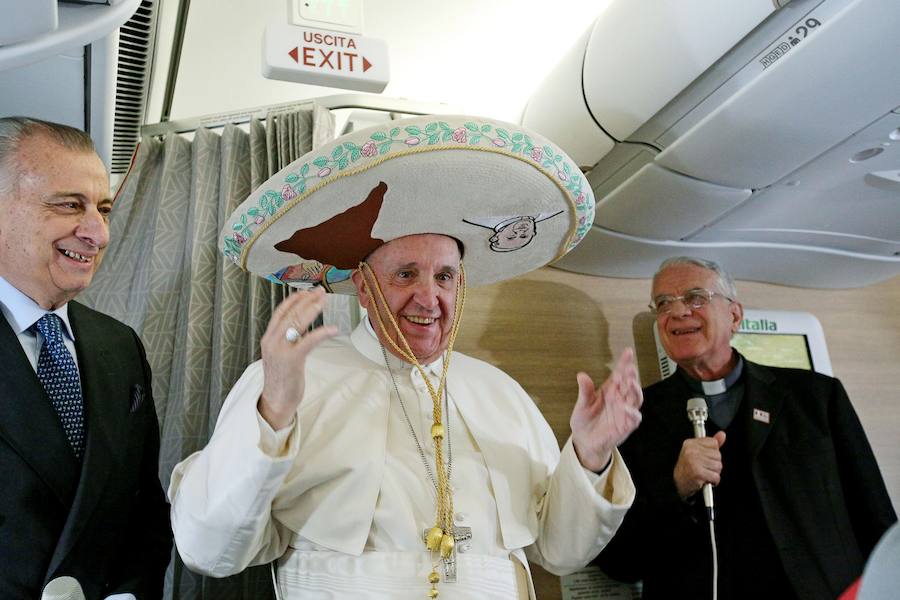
[(804, 210), (482, 57)]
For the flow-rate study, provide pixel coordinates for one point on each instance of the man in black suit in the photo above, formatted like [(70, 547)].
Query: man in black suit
[(79, 438), (799, 500)]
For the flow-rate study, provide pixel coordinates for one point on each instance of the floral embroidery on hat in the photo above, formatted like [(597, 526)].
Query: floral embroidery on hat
[(411, 138)]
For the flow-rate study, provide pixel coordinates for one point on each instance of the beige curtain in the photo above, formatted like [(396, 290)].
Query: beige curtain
[(199, 318)]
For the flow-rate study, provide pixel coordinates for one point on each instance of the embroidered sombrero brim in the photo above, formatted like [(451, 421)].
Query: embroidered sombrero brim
[(514, 200)]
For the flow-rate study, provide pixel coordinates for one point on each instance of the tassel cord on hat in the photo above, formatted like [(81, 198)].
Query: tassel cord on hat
[(441, 536), (445, 500)]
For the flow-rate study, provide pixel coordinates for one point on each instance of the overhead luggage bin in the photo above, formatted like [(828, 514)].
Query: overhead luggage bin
[(736, 128)]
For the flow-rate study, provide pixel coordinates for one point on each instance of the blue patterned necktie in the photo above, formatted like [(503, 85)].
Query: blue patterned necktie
[(58, 374)]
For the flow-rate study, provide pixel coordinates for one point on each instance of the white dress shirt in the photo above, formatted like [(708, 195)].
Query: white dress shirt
[(22, 312)]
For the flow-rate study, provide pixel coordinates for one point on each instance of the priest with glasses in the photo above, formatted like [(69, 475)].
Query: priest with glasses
[(798, 502)]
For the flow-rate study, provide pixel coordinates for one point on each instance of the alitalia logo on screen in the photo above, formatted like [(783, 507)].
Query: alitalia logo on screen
[(758, 325)]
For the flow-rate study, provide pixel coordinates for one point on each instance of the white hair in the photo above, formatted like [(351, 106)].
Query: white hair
[(724, 281)]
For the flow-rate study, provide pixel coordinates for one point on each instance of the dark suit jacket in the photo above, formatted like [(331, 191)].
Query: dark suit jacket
[(105, 521), (821, 493)]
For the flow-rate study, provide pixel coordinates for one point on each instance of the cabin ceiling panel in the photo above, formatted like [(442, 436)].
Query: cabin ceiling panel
[(486, 57)]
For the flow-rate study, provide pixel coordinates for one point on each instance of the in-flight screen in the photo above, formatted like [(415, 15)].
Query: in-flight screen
[(774, 350)]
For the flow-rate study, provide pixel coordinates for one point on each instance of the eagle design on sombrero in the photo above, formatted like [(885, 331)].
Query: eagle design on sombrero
[(342, 239)]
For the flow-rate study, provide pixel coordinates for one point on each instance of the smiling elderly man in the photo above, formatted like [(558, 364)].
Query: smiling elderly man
[(81, 504), (799, 500), (369, 466)]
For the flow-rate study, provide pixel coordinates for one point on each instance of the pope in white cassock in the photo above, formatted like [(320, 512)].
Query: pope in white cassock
[(383, 464)]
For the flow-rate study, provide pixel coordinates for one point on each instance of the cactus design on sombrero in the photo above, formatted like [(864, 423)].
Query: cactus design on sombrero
[(438, 175)]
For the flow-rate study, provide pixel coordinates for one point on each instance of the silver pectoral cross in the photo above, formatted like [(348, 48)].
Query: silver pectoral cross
[(462, 537)]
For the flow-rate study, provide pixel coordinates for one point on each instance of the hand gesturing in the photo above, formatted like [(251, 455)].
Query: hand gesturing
[(285, 346), (603, 418)]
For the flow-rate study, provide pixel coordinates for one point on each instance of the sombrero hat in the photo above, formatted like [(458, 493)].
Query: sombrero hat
[(513, 199)]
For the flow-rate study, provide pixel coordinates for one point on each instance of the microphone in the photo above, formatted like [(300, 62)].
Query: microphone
[(63, 588), (697, 413)]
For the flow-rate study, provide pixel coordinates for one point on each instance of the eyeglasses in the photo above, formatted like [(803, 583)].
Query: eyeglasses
[(695, 299)]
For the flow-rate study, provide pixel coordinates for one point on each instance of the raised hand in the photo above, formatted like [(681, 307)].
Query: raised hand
[(603, 418), (699, 462), (285, 346)]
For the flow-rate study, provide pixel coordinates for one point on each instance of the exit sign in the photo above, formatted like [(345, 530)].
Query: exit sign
[(327, 58)]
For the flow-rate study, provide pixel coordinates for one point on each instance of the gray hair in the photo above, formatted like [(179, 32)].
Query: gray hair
[(14, 130), (724, 281)]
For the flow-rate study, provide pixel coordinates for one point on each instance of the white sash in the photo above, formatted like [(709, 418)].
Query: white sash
[(325, 575)]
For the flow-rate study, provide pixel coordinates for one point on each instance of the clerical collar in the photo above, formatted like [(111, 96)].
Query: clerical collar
[(718, 386)]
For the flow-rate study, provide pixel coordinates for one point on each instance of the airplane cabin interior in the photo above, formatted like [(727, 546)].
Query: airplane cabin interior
[(762, 134)]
